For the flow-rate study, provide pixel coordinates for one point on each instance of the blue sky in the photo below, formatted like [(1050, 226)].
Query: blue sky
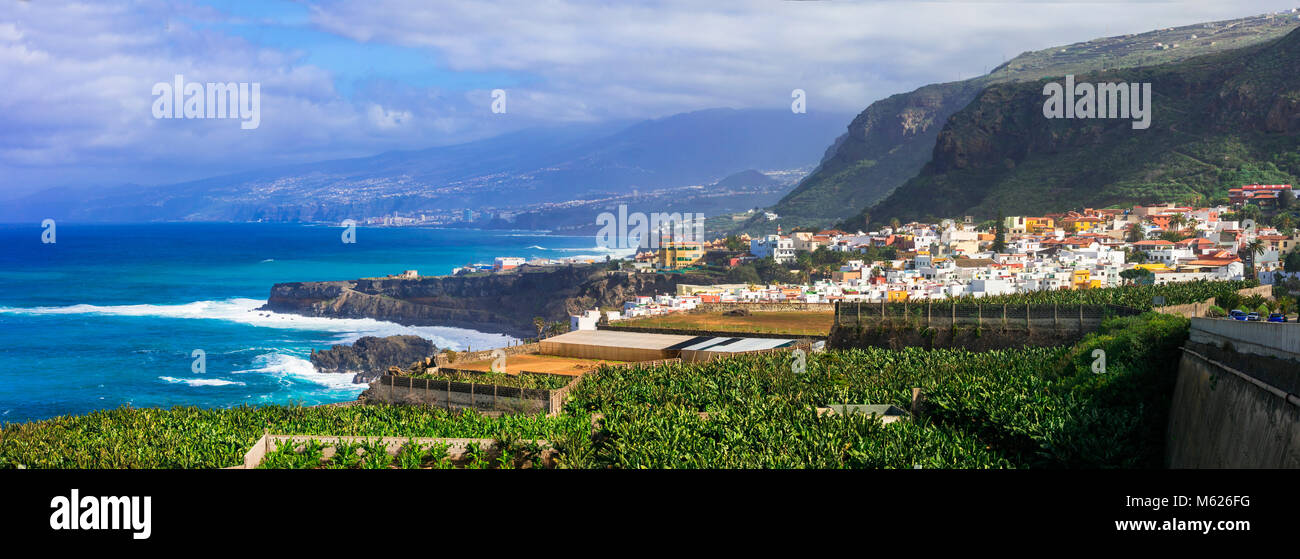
[(347, 79), (287, 26)]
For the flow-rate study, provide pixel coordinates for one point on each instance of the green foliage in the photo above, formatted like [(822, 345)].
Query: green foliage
[(1034, 407), (1195, 149), (188, 437), (542, 382), (1292, 262), (744, 273), (1038, 407), (1138, 275), (874, 158), (1135, 296)]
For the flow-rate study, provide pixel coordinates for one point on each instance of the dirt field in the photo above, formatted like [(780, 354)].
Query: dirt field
[(799, 323), (538, 364)]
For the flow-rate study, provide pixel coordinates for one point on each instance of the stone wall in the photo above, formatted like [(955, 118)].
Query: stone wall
[(1192, 310), (1224, 417)]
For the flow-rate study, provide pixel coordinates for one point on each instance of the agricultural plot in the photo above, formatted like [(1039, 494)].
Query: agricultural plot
[(1136, 296), (793, 323), (1024, 408), (366, 453), (1037, 407), (537, 363)]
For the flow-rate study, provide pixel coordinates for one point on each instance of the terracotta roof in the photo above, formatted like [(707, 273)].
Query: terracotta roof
[(1212, 262)]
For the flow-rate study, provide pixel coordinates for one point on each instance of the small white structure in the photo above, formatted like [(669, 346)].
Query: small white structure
[(584, 321)]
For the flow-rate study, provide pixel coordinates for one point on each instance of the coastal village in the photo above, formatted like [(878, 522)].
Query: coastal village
[(1082, 249), (828, 284)]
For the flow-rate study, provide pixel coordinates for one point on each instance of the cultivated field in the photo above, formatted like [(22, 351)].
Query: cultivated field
[(539, 364), (795, 323)]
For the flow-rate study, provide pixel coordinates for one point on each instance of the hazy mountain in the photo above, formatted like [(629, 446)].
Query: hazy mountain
[(747, 178), (528, 167)]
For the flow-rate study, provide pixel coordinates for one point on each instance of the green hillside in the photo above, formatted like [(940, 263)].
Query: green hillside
[(891, 140), (1218, 121)]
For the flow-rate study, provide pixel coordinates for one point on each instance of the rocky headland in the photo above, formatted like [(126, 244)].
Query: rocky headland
[(370, 356), (503, 302)]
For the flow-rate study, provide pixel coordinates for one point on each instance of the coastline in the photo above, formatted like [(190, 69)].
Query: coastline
[(501, 303)]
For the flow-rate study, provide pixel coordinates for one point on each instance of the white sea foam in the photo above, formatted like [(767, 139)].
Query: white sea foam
[(599, 249), (286, 366), (538, 247), (244, 311), (202, 381)]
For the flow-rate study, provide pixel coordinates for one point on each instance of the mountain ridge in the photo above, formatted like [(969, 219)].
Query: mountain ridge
[(534, 166), (891, 140), (1218, 120)]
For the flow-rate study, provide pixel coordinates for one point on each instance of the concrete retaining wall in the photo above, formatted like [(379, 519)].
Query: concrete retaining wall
[(1222, 417), (1269, 339)]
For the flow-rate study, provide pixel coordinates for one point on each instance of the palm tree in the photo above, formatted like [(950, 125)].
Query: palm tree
[(540, 324), (1254, 247)]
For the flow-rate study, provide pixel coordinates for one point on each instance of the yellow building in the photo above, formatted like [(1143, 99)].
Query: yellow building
[(679, 254), (896, 295), (1039, 224), (1155, 268), (1081, 224), (1082, 279)]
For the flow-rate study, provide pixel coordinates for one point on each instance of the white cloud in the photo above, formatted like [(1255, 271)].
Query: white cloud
[(75, 104)]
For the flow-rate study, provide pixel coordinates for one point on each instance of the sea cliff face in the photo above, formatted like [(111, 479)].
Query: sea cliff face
[(502, 302)]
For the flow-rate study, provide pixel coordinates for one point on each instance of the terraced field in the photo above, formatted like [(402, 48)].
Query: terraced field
[(794, 323)]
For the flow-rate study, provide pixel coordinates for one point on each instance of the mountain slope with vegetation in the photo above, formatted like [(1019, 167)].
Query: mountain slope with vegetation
[(1217, 121), (890, 141)]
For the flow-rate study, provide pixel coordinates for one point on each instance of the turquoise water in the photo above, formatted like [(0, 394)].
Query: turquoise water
[(111, 315)]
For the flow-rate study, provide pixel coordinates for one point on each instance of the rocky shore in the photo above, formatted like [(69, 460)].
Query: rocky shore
[(500, 303), (370, 356)]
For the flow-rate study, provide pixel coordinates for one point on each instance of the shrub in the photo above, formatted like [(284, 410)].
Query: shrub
[(1216, 311)]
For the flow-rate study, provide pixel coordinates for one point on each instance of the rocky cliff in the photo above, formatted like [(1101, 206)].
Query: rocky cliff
[(891, 141), (501, 302), (370, 356), (1217, 121)]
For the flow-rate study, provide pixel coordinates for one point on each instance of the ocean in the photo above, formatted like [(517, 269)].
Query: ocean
[(111, 315)]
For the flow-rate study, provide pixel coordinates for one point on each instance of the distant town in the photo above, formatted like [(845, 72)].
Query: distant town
[(1081, 249)]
